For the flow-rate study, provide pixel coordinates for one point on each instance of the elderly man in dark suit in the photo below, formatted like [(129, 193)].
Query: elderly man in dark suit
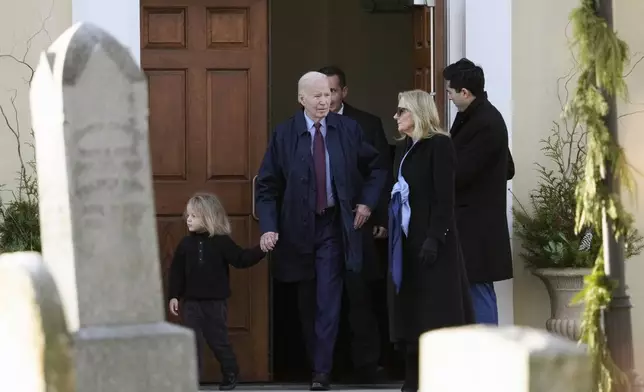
[(365, 343), (484, 165), (317, 185)]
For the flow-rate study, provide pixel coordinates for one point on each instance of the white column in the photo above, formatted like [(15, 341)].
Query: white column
[(489, 45), (119, 17), (455, 39)]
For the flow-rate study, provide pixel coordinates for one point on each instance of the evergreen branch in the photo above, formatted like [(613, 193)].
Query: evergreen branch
[(602, 59), (630, 114), (518, 201), (566, 79), (634, 65)]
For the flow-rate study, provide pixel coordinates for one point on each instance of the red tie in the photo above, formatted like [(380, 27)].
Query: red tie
[(319, 159)]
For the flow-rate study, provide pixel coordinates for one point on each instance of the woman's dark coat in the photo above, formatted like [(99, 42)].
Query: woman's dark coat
[(437, 295)]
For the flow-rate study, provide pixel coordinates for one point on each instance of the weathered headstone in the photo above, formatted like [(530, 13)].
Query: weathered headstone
[(89, 104), (507, 359), (35, 345)]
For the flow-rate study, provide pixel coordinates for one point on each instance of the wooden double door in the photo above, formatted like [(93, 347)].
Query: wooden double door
[(207, 68)]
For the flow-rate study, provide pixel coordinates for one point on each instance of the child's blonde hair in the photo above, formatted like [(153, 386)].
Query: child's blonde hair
[(211, 212)]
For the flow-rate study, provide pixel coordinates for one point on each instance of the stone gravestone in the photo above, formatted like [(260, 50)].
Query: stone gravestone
[(89, 112), (507, 359), (35, 345)]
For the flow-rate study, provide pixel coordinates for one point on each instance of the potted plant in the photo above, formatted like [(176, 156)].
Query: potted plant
[(552, 250)]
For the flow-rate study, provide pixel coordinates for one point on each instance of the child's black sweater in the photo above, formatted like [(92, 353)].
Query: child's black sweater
[(199, 268)]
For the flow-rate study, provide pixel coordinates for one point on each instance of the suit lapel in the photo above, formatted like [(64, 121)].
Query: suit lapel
[(333, 144), (462, 118), (304, 141), (403, 146), (459, 121)]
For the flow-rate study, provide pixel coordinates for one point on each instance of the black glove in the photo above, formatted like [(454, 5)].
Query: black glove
[(428, 251)]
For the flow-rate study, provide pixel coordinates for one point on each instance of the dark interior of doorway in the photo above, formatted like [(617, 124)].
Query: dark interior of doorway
[(289, 362), (305, 35)]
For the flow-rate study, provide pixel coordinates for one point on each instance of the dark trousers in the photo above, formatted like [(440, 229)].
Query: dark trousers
[(484, 301), (207, 318), (411, 367), (320, 299), (365, 340)]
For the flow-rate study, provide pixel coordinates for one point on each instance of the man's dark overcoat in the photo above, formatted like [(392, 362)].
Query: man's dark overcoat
[(484, 165), (375, 135), (285, 198)]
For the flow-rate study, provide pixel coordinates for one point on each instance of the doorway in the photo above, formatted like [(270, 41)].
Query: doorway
[(211, 69), (376, 51)]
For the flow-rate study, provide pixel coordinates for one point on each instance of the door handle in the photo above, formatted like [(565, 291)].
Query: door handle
[(252, 195)]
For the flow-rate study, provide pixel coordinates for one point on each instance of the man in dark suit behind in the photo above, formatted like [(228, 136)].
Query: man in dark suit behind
[(365, 342), (484, 165), (317, 185)]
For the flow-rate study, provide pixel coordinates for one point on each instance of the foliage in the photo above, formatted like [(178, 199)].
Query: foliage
[(548, 235), (602, 59), (19, 218)]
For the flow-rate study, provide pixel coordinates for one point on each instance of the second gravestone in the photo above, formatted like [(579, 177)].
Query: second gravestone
[(89, 113)]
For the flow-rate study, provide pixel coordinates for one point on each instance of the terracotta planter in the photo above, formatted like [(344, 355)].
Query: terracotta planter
[(563, 285)]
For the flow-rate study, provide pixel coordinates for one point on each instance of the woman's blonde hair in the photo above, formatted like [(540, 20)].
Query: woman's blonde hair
[(211, 212), (422, 108)]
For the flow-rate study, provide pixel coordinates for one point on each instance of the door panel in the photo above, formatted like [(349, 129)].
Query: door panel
[(430, 53), (207, 67)]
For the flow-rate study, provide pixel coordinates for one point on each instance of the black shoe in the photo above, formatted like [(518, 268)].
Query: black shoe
[(320, 382), (229, 382)]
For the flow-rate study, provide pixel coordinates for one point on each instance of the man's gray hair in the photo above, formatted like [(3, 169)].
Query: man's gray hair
[(307, 79)]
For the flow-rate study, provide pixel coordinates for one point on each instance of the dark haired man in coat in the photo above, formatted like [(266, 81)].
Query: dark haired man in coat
[(484, 165), (317, 185), (361, 289)]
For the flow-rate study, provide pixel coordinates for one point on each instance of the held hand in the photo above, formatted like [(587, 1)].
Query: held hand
[(428, 252), (379, 232), (174, 306), (268, 241), (362, 215)]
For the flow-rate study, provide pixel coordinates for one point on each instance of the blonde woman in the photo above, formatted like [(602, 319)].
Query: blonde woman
[(428, 282), (199, 277)]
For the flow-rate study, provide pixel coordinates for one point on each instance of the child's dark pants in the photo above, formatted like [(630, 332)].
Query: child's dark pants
[(208, 318)]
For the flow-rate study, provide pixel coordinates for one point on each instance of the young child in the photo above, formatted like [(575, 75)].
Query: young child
[(199, 277)]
